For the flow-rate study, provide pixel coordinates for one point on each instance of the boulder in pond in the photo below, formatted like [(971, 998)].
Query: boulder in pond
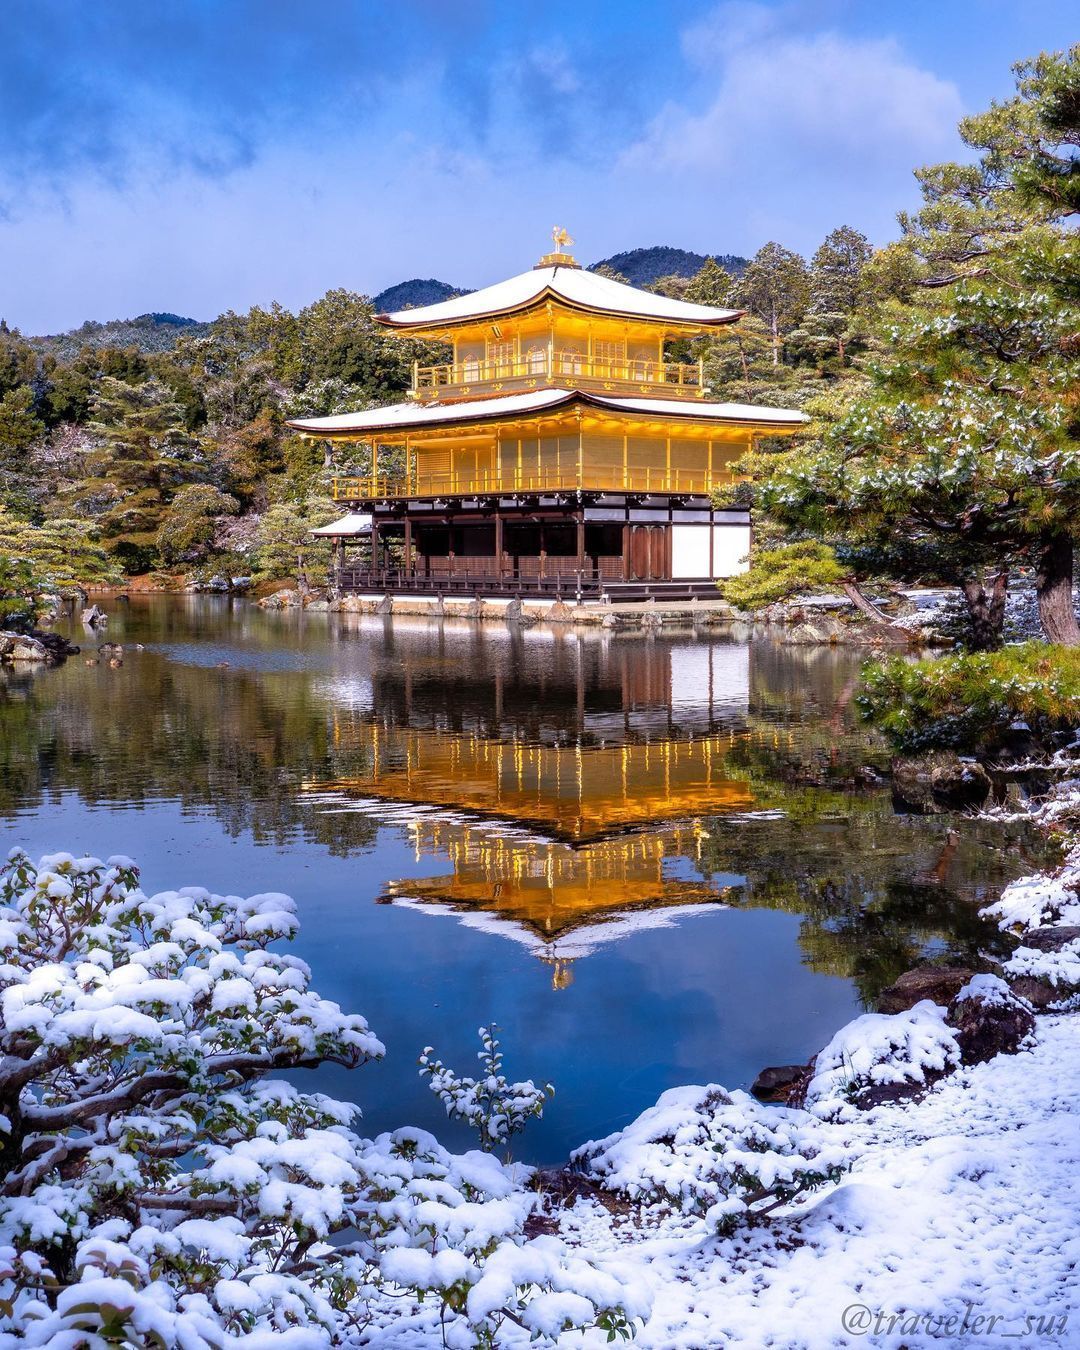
[(560, 612), (283, 599), (939, 781), (940, 984)]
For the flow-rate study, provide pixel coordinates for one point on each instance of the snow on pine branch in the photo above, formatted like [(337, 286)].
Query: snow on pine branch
[(157, 1187)]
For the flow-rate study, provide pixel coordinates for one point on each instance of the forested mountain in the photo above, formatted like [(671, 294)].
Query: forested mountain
[(158, 332), (148, 333), (411, 294), (643, 266)]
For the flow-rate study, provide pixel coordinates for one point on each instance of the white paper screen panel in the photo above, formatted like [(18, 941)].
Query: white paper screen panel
[(731, 545), (689, 551)]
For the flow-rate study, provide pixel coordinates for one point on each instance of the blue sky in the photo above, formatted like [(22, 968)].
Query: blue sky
[(198, 155)]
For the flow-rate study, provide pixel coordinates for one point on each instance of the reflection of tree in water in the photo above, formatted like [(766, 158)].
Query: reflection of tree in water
[(876, 891), (228, 742)]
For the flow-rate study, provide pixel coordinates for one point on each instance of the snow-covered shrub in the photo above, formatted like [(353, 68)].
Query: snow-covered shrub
[(881, 1050), (1060, 968), (722, 1156), (496, 1108), (157, 1188), (974, 698), (1037, 902)]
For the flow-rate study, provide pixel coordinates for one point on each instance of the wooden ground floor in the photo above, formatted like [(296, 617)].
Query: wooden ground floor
[(613, 545)]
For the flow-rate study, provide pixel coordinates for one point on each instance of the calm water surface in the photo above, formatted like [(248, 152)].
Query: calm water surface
[(651, 860)]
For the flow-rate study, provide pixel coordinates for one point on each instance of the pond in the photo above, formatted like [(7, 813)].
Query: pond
[(651, 860)]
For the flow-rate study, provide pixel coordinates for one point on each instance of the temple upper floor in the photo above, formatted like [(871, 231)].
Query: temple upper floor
[(558, 327)]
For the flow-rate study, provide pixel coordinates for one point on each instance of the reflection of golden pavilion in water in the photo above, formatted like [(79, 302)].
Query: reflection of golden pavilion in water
[(560, 846), (574, 792), (591, 860)]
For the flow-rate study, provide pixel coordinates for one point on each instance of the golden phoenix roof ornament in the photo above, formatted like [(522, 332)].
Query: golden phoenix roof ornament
[(557, 258)]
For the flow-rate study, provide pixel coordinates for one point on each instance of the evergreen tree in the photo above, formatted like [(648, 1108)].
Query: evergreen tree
[(775, 288), (836, 291), (145, 454), (710, 286), (964, 456), (191, 521)]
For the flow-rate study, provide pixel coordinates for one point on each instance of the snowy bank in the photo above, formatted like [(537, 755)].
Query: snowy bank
[(954, 1221)]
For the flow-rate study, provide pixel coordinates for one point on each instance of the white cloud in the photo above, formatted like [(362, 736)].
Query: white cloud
[(770, 97)]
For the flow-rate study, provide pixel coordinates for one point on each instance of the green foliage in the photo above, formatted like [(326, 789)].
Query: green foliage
[(62, 553), (284, 546), (779, 573), (19, 424), (712, 285), (191, 522), (775, 288), (962, 455), (20, 591), (972, 700), (834, 323)]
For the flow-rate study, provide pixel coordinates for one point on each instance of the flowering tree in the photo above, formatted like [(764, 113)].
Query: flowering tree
[(157, 1188)]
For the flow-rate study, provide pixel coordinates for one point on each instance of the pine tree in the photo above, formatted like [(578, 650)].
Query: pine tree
[(836, 290), (775, 288), (710, 286), (146, 453), (963, 459)]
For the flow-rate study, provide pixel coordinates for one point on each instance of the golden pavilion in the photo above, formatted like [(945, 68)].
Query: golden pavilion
[(558, 452)]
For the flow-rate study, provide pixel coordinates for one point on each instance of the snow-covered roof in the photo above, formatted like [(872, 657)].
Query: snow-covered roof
[(348, 526), (572, 286), (409, 416)]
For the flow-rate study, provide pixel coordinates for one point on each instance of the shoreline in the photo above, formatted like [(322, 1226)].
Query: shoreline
[(962, 1166)]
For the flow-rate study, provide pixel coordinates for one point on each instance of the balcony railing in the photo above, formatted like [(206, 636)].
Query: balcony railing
[(512, 480), (537, 368)]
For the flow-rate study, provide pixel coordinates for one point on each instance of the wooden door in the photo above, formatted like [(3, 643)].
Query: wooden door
[(648, 553)]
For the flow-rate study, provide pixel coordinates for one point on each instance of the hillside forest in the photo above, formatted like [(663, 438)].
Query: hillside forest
[(941, 372)]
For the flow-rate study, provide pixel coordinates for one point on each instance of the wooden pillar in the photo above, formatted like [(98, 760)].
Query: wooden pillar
[(626, 551), (580, 550), (408, 547), (498, 544)]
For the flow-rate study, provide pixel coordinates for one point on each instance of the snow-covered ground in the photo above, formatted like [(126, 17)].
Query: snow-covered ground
[(963, 1205)]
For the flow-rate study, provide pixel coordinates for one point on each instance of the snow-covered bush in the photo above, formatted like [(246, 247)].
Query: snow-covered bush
[(1059, 968), (881, 1050), (496, 1108), (1039, 901), (724, 1157), (157, 1188)]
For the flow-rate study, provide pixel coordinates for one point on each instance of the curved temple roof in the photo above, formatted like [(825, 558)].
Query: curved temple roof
[(413, 416), (571, 286)]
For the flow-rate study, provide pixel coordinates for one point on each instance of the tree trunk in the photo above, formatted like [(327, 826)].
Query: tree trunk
[(861, 603), (1054, 586), (986, 610)]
